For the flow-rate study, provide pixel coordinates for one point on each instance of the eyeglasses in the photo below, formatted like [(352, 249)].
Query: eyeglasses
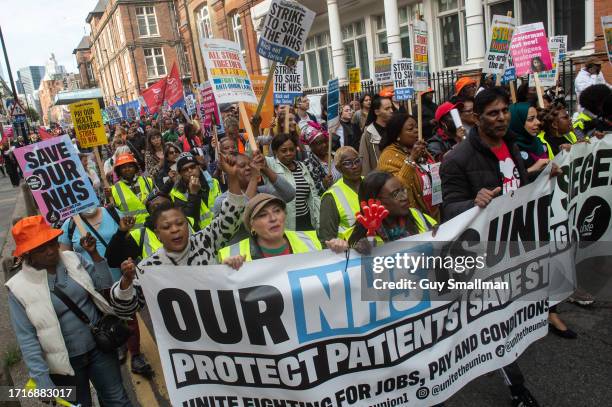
[(351, 163), (399, 194)]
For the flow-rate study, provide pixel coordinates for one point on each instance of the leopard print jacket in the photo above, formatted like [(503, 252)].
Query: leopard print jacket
[(203, 248)]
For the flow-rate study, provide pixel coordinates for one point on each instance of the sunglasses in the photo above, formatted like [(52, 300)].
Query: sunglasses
[(351, 163)]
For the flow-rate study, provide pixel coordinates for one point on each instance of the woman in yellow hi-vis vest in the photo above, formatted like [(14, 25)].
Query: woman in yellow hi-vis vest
[(340, 202), (196, 191), (556, 134), (131, 191), (264, 217), (402, 221)]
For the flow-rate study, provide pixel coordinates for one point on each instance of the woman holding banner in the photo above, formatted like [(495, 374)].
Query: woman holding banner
[(315, 137), (179, 247), (407, 158), (264, 217), (402, 221)]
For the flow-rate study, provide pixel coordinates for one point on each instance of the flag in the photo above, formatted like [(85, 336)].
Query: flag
[(174, 89), (154, 95), (44, 134)]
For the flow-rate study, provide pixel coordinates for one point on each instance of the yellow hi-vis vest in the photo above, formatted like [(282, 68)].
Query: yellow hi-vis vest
[(423, 223), (300, 242), (206, 215), (569, 137), (579, 126), (148, 241), (347, 203), (131, 204)]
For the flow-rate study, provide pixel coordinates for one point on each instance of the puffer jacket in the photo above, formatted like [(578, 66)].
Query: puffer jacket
[(471, 166)]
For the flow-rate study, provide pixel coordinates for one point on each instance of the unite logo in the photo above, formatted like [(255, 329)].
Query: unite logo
[(594, 219)]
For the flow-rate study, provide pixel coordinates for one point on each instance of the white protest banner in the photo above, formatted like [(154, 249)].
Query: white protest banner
[(227, 72), (382, 68), (549, 78), (59, 183), (421, 61), (284, 31), (502, 28), (288, 83), (529, 49), (561, 40), (403, 79), (301, 328), (333, 103), (606, 25)]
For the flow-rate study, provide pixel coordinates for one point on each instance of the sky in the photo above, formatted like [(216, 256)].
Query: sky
[(33, 29)]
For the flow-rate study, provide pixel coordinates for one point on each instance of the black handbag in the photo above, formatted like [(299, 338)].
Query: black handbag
[(109, 333)]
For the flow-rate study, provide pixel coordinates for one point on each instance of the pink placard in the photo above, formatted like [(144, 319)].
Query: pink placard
[(529, 49)]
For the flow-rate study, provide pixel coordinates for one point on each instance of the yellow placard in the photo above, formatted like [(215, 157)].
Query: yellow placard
[(87, 121), (354, 80)]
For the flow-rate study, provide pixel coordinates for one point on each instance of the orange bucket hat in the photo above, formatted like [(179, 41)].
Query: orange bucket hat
[(125, 159), (32, 232)]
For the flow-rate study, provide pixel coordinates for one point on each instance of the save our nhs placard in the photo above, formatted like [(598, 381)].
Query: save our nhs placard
[(59, 183), (284, 31)]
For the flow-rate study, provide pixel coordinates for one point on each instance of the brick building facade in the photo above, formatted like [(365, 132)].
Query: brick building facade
[(83, 57), (46, 94), (133, 45)]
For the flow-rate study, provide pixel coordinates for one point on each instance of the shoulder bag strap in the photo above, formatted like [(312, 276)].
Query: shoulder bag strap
[(95, 232), (71, 305)]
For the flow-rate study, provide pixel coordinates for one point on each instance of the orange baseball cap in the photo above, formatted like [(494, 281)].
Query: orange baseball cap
[(125, 159), (32, 232), (462, 83)]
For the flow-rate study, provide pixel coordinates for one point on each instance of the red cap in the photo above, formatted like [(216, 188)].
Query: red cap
[(444, 108)]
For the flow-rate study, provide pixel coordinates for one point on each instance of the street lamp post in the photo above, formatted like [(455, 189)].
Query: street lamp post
[(110, 74)]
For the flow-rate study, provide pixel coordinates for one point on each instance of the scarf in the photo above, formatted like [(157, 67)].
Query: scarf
[(525, 141), (176, 258)]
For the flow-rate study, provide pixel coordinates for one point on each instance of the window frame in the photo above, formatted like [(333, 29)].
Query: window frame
[(127, 67), (315, 51), (238, 32), (119, 24), (146, 19), (354, 38), (153, 56), (205, 20)]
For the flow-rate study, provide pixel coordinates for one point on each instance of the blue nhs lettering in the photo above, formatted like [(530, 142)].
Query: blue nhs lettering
[(327, 301)]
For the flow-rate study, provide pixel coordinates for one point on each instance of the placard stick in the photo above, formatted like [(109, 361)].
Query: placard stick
[(536, 77), (100, 166), (410, 107), (265, 89), (420, 114), (329, 154), (497, 79), (213, 128), (512, 92), (286, 124), (247, 126)]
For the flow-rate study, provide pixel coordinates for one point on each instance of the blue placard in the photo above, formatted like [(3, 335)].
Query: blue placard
[(333, 101), (509, 75)]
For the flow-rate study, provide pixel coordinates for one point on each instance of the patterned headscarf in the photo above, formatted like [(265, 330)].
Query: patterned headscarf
[(312, 131)]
